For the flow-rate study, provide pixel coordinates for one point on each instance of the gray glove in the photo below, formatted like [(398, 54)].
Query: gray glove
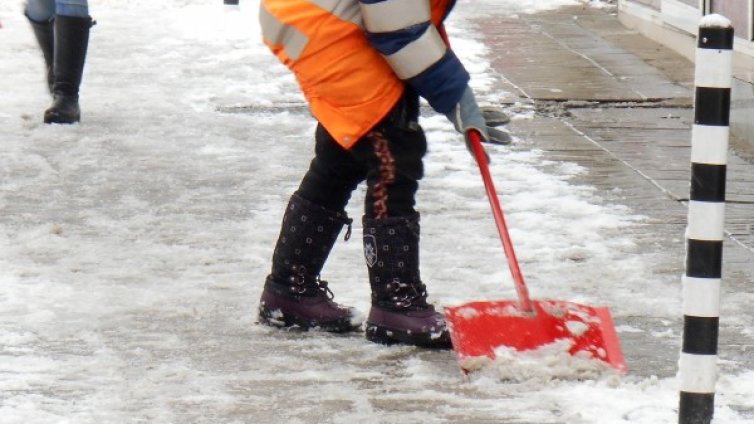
[(466, 116), (495, 117), (497, 136)]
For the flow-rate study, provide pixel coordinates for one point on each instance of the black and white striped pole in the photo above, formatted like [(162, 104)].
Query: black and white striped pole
[(706, 216)]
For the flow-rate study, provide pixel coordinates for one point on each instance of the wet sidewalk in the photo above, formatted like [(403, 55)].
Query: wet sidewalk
[(621, 106)]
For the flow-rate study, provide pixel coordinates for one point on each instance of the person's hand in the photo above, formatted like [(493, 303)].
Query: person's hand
[(466, 116), (495, 117), (497, 136)]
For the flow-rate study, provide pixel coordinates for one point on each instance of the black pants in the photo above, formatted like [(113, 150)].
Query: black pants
[(389, 158)]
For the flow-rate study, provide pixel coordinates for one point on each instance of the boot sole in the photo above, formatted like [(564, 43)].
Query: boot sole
[(57, 119), (390, 336), (276, 318)]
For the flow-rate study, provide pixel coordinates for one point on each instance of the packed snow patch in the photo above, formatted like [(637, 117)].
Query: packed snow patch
[(715, 20), (577, 328), (552, 361)]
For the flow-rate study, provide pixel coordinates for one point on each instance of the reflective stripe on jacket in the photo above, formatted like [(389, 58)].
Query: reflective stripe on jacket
[(352, 57)]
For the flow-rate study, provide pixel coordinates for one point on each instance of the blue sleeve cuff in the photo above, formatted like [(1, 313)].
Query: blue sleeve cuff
[(443, 83)]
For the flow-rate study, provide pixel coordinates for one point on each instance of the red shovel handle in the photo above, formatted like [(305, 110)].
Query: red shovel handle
[(497, 211)]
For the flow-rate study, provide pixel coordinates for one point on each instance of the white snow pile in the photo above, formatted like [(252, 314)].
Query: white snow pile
[(552, 361), (715, 20)]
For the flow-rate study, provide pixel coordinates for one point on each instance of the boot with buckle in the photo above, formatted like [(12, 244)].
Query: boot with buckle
[(294, 295), (400, 312)]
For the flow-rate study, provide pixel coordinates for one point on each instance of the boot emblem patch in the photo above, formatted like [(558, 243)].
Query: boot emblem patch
[(370, 250)]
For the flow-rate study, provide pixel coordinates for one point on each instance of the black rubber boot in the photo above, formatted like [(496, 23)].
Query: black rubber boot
[(71, 42), (400, 312), (293, 293), (43, 31)]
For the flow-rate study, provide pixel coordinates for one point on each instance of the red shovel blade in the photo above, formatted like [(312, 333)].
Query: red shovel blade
[(478, 328)]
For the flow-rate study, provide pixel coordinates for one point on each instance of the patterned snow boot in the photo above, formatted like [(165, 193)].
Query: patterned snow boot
[(400, 312), (293, 293)]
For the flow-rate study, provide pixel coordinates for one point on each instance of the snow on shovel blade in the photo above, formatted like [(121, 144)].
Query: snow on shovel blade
[(478, 328)]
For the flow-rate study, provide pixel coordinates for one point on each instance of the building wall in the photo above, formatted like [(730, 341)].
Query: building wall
[(738, 12)]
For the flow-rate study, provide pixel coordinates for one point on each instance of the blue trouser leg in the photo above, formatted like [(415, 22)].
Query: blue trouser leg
[(40, 10), (43, 10), (74, 8)]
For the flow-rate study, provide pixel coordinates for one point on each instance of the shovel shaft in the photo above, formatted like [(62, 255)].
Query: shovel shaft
[(497, 211)]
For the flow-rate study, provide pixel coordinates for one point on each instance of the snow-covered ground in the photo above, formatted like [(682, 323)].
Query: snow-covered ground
[(133, 246)]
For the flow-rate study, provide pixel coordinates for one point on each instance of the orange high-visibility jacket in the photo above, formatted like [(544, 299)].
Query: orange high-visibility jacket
[(348, 63)]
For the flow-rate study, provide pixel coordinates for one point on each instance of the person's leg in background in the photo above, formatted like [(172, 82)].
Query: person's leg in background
[(40, 14), (63, 36), (72, 24)]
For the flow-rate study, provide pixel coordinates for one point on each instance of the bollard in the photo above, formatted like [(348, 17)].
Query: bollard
[(706, 216)]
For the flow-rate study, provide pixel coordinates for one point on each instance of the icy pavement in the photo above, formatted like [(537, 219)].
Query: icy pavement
[(133, 246)]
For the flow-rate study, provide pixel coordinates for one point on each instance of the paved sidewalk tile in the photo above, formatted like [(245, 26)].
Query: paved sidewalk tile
[(625, 93)]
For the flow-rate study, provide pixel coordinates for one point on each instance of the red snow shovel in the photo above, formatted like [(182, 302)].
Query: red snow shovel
[(478, 328)]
